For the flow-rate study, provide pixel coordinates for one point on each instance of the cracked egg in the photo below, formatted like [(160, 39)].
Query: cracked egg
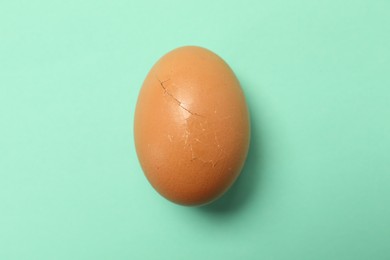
[(191, 126)]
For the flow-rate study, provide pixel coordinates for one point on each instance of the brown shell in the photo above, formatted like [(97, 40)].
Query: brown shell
[(191, 126)]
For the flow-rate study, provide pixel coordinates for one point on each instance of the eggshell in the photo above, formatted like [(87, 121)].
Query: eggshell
[(191, 126)]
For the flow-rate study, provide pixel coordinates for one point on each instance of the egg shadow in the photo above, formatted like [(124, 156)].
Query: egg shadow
[(243, 190)]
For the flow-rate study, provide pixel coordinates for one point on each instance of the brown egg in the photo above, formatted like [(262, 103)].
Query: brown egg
[(191, 126)]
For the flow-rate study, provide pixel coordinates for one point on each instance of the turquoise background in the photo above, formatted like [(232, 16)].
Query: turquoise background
[(316, 184)]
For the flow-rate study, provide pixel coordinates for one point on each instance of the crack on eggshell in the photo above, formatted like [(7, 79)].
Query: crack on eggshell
[(218, 144), (181, 104), (192, 141), (192, 153), (189, 139), (187, 134)]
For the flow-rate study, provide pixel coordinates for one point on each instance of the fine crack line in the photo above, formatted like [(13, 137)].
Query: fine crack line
[(177, 101), (192, 153), (218, 144), (187, 133)]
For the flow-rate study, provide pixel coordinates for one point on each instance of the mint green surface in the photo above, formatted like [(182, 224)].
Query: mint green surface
[(316, 185)]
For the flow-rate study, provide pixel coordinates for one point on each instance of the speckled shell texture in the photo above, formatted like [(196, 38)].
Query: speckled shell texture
[(191, 126)]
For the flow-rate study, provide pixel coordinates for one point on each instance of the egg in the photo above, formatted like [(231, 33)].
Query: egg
[(191, 126)]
